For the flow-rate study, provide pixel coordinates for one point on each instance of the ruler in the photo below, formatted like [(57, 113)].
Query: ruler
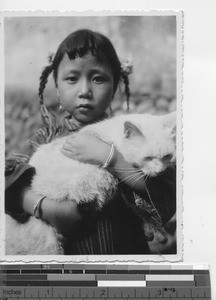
[(94, 281)]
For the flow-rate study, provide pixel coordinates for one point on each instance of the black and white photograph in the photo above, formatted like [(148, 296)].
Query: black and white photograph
[(92, 119)]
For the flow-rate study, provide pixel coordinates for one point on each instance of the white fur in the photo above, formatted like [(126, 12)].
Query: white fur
[(62, 179), (33, 237)]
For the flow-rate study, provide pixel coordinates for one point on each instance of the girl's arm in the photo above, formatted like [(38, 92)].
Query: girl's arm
[(20, 199), (162, 189), (89, 149), (18, 172), (65, 216)]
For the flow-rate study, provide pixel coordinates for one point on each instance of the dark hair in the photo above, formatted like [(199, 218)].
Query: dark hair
[(78, 44), (81, 42)]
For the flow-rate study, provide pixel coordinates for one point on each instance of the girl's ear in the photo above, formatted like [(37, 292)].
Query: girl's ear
[(131, 130)]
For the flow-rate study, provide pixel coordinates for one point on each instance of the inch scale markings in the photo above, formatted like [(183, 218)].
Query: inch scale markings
[(76, 281), (148, 293)]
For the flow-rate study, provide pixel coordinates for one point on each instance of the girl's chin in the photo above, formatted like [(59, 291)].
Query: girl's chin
[(84, 119), (86, 116)]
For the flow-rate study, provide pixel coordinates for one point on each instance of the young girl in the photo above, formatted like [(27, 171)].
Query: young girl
[(87, 72)]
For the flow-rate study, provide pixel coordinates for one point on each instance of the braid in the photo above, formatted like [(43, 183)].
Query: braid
[(47, 116), (43, 81), (127, 89)]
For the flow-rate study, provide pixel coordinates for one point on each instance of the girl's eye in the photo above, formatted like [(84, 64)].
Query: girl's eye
[(98, 79), (72, 79)]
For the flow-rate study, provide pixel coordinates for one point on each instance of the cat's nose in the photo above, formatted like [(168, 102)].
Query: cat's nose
[(158, 166), (158, 163)]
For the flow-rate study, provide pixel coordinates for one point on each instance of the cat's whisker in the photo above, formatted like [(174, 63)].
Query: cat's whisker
[(125, 169), (150, 199), (137, 179), (129, 168), (145, 178), (134, 178), (148, 194), (130, 177)]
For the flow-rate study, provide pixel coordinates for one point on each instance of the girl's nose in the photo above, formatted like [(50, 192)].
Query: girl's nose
[(85, 90)]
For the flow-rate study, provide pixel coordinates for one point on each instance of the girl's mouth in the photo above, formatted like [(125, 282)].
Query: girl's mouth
[(85, 107)]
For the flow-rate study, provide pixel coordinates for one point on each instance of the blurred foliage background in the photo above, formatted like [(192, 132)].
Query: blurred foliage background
[(149, 41)]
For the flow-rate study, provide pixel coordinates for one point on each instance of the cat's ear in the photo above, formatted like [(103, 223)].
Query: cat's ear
[(131, 130), (173, 132), (170, 119), (170, 124)]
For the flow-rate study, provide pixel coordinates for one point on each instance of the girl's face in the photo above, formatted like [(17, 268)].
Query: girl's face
[(85, 87)]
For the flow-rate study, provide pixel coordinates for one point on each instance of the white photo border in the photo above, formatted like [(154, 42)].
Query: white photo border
[(145, 259)]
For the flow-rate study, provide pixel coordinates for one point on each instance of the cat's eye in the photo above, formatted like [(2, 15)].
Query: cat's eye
[(136, 166), (167, 157), (148, 158)]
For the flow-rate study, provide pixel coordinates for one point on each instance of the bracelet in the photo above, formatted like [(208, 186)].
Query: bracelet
[(109, 158), (37, 208)]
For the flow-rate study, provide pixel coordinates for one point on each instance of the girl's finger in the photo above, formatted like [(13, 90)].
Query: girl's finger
[(67, 147), (71, 138), (67, 153), (70, 142), (70, 148), (75, 142)]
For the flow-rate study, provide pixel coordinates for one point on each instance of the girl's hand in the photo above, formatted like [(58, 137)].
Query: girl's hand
[(86, 148)]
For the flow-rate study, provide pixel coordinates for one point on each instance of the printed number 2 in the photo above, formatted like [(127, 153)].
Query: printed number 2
[(102, 293)]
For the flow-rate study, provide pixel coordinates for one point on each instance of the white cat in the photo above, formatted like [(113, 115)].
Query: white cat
[(145, 141)]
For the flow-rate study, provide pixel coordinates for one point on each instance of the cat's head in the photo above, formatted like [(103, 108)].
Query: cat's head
[(150, 143)]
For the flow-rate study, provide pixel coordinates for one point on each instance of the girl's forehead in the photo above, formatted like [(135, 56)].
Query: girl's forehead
[(85, 62)]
